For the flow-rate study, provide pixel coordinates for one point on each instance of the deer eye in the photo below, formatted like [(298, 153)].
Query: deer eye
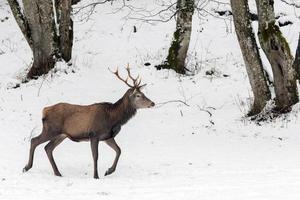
[(138, 95)]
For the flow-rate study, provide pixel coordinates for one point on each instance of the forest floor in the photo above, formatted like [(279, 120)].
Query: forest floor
[(204, 150)]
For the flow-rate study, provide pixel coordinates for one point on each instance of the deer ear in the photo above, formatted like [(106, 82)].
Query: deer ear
[(142, 86)]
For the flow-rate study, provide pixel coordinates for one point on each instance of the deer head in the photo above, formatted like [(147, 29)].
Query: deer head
[(136, 98)]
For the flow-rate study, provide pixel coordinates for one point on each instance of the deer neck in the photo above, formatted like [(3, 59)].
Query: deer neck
[(122, 111)]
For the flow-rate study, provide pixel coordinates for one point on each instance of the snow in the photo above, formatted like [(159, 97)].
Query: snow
[(172, 151)]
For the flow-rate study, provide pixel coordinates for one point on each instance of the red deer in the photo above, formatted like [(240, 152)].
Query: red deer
[(94, 123)]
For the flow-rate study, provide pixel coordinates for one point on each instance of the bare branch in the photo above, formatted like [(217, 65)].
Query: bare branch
[(171, 101), (291, 3), (149, 20), (91, 6), (202, 109), (219, 2)]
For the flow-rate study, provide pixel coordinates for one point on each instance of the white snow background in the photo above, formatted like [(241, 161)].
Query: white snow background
[(170, 152)]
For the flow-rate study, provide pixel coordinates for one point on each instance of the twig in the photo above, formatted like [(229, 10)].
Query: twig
[(44, 78), (291, 4), (181, 113), (92, 5), (158, 105), (210, 114), (153, 19), (211, 107), (31, 133), (219, 2)]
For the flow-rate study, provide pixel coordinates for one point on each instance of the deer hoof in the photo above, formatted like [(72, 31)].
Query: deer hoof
[(58, 174), (109, 171), (26, 168)]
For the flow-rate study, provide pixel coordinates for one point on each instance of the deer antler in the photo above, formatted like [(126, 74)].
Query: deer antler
[(118, 76), (136, 81)]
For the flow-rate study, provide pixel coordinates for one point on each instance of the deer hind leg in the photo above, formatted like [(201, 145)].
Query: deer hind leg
[(112, 143), (49, 150), (34, 143)]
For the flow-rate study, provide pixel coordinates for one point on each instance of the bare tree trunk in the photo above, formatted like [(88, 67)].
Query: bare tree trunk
[(278, 53), (21, 20), (65, 28), (38, 26), (253, 63), (296, 64), (40, 17), (181, 38)]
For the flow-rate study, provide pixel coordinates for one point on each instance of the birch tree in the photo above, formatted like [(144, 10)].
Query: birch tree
[(279, 55), (253, 63), (181, 37)]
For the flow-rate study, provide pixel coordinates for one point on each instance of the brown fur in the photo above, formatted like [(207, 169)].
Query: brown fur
[(96, 122)]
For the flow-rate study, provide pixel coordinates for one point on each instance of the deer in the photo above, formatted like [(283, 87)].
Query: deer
[(94, 123)]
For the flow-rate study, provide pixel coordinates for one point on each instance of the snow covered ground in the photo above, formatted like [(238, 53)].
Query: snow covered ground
[(206, 150)]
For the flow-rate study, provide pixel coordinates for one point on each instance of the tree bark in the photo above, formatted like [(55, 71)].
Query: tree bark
[(296, 64), (47, 41), (181, 37), (278, 53), (21, 20), (65, 28), (39, 14), (253, 63)]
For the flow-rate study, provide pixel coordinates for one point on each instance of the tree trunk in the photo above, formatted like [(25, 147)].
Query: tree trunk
[(40, 17), (296, 64), (47, 41), (65, 28), (21, 20), (253, 63), (181, 37), (278, 53)]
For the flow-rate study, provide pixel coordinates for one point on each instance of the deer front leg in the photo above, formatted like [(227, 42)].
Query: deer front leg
[(94, 147), (112, 143)]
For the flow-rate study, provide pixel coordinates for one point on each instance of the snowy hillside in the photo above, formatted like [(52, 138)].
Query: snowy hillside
[(204, 150)]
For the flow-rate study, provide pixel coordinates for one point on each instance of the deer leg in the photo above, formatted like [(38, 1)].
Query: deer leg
[(34, 143), (49, 150), (112, 143), (94, 147)]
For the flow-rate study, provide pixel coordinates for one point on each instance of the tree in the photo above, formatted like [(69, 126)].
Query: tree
[(63, 13), (296, 64), (278, 53), (250, 52), (48, 29), (181, 37)]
